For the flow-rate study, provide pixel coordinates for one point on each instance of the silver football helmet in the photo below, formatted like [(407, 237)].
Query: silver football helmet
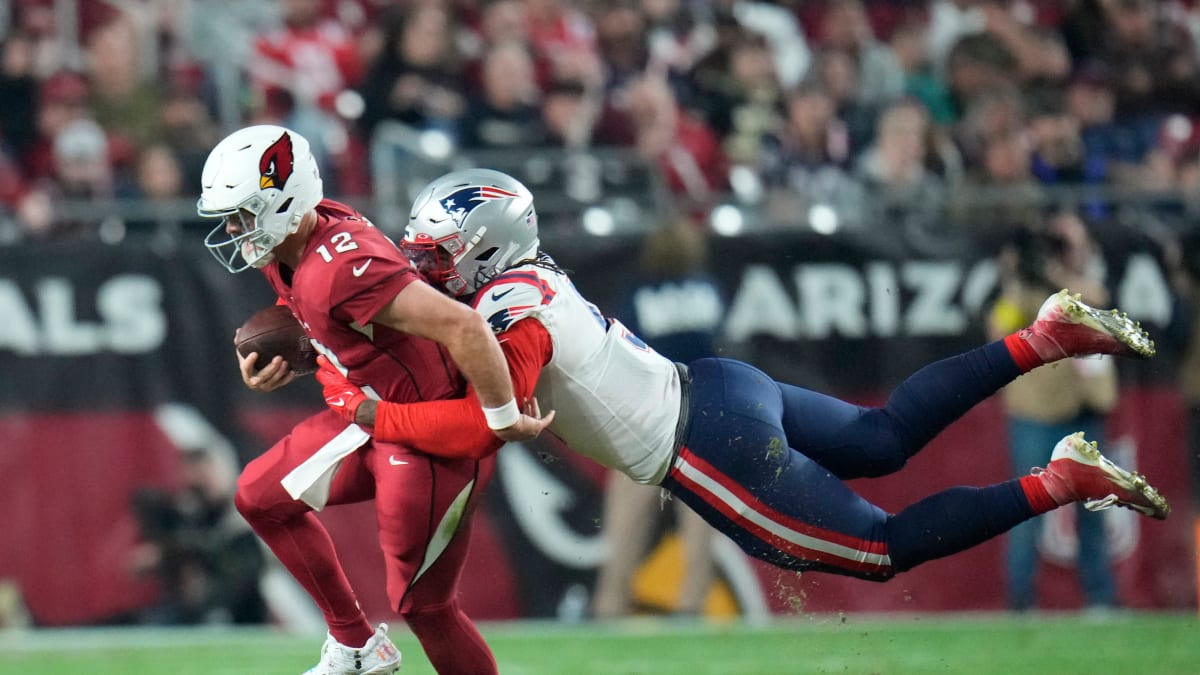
[(468, 226), (268, 172)]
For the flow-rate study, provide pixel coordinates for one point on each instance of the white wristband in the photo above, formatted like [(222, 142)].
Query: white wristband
[(504, 416)]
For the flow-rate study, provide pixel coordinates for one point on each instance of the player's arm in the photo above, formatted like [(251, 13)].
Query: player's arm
[(448, 428), (420, 310)]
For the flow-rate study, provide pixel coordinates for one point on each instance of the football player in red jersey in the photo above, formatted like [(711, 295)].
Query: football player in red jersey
[(372, 317), (763, 461)]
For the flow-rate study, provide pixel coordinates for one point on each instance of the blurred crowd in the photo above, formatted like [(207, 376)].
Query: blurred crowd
[(785, 104)]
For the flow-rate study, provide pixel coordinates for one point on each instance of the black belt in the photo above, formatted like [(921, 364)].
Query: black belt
[(685, 409)]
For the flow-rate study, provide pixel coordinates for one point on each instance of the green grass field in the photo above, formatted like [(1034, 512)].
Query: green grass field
[(1158, 644)]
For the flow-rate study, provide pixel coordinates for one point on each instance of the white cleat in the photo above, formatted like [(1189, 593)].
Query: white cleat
[(1066, 327), (377, 657), (1077, 472)]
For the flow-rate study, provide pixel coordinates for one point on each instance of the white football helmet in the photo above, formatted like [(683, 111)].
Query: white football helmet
[(468, 226), (267, 171)]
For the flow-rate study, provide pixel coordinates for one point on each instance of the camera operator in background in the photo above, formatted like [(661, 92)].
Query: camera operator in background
[(1046, 404), (206, 558)]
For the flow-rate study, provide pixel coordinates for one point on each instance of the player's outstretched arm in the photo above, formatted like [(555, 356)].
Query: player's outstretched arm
[(423, 311), (456, 427)]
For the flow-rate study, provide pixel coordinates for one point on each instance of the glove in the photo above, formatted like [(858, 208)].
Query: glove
[(341, 396)]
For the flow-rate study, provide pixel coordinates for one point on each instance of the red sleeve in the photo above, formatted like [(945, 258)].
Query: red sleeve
[(457, 427)]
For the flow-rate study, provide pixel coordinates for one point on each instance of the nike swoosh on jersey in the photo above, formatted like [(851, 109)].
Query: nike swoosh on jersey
[(396, 462), (339, 403), (497, 296), (358, 271)]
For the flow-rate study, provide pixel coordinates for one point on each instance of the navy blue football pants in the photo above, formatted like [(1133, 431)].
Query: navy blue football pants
[(765, 463)]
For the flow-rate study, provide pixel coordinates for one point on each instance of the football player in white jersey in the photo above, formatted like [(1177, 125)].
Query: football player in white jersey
[(765, 462)]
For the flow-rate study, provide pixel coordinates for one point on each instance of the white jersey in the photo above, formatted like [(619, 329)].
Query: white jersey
[(615, 400)]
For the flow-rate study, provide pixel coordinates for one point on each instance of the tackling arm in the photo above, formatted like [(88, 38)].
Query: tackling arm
[(420, 310), (455, 427)]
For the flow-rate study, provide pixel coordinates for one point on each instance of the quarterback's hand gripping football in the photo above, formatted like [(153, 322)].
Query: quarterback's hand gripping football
[(341, 396), (271, 376)]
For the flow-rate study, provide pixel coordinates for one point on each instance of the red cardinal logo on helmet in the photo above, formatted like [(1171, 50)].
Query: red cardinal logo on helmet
[(275, 166)]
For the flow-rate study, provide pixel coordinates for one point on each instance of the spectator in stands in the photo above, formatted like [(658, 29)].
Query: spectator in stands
[(622, 41), (992, 114), (845, 28), (125, 98), (742, 98), (837, 72), (188, 129), (560, 34), (1059, 155), (910, 47), (893, 170), (1000, 189), (677, 308), (570, 114), (58, 207), (688, 153), (1125, 148), (62, 99), (505, 113), (199, 547), (418, 78), (677, 36), (978, 65), (1074, 397), (808, 158), (159, 188), (1038, 54), (1149, 55)]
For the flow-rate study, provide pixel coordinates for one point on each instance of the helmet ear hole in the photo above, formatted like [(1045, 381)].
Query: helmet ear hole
[(487, 255), (283, 208)]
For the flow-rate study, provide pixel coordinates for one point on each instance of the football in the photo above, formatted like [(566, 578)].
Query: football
[(275, 331)]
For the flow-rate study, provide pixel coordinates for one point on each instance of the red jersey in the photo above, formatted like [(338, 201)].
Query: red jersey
[(349, 271)]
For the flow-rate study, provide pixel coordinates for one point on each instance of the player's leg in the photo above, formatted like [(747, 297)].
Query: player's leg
[(736, 470), (856, 442), (959, 518), (1030, 445), (292, 531), (631, 512), (696, 537), (783, 507), (424, 506)]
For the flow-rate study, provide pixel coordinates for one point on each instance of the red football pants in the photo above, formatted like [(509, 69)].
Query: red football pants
[(413, 493)]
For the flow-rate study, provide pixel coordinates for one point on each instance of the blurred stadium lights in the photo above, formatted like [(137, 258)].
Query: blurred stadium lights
[(436, 144), (746, 184), (349, 104), (598, 221), (823, 219), (727, 220)]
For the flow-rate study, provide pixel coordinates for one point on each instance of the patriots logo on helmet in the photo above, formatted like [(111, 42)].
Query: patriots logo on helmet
[(275, 165), (458, 205)]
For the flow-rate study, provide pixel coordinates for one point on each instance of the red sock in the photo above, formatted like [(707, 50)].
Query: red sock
[(1022, 352), (1035, 491)]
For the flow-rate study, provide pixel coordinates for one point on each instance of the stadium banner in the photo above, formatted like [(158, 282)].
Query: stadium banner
[(116, 359)]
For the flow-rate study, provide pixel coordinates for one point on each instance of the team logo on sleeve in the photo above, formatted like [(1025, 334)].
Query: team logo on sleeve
[(460, 204), (275, 165)]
